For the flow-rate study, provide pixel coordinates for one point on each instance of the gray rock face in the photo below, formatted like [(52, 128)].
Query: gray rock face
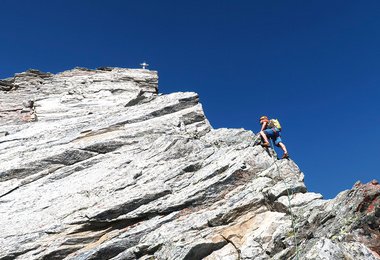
[(95, 164)]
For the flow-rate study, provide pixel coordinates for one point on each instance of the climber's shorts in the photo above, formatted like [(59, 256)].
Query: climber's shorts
[(275, 135)]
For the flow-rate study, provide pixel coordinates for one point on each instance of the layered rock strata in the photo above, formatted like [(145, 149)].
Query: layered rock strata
[(96, 164)]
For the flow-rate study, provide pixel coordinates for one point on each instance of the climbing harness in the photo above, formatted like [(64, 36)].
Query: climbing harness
[(289, 194)]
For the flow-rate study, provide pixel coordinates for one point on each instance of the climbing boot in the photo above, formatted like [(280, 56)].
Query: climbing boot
[(285, 156), (266, 144)]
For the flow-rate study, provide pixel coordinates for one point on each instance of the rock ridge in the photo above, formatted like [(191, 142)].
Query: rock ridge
[(97, 164)]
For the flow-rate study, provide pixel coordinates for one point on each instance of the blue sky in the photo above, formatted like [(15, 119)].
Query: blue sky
[(315, 65)]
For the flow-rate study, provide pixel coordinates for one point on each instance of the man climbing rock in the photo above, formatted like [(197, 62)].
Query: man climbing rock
[(272, 129)]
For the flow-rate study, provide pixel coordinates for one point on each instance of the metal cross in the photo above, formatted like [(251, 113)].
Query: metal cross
[(144, 65)]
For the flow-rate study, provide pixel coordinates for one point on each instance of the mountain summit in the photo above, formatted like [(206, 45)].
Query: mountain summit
[(96, 164)]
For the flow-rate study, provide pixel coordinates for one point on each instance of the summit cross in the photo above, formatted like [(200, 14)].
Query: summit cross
[(144, 65)]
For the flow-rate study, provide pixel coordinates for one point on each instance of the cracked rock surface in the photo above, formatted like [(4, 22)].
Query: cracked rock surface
[(96, 164)]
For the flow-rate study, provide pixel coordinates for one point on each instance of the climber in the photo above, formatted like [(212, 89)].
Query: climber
[(272, 128)]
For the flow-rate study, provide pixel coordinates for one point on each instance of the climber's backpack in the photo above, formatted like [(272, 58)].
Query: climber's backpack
[(274, 123)]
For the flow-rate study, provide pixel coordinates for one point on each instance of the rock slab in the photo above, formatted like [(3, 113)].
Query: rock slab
[(97, 164)]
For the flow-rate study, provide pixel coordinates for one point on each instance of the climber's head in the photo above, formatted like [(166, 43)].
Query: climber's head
[(263, 119)]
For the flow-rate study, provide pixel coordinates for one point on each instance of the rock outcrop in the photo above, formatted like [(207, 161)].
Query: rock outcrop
[(96, 164)]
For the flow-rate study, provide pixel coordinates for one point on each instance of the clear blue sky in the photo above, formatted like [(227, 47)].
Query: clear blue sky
[(315, 65)]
